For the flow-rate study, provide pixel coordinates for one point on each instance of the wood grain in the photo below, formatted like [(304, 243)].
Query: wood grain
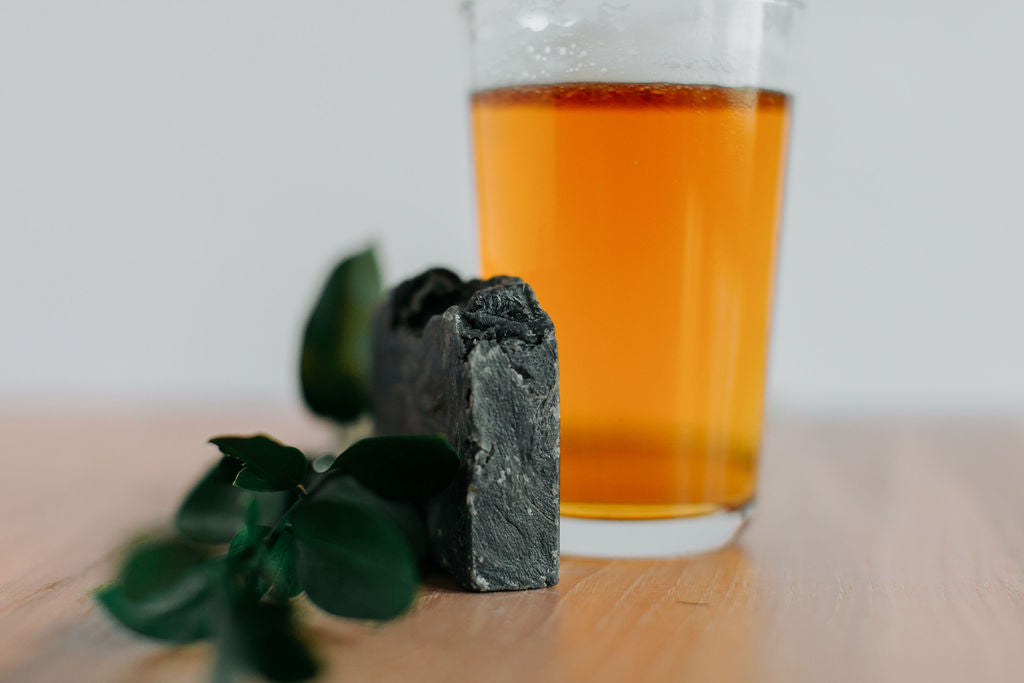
[(882, 550)]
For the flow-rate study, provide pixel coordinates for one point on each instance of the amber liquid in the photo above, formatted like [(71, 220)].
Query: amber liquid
[(646, 217)]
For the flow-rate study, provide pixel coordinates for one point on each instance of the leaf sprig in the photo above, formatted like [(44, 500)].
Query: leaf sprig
[(349, 538), (263, 526)]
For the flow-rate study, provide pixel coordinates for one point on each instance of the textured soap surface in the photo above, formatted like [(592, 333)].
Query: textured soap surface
[(478, 362)]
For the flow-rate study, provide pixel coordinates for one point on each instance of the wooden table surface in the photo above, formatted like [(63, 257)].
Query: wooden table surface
[(881, 550)]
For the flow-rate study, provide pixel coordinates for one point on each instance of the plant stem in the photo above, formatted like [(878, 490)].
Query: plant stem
[(304, 495), (278, 528)]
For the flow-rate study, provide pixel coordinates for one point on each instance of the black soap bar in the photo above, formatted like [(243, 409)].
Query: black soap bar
[(478, 362)]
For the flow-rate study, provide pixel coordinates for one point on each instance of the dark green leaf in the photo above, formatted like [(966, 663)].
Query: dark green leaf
[(353, 560), (400, 467), (179, 618), (244, 561), (260, 637), (336, 353), (249, 538), (281, 566), (269, 465), (163, 592), (252, 513), (268, 567), (214, 510), (157, 565), (405, 515), (273, 505)]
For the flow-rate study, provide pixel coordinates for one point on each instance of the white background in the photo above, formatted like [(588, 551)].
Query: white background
[(177, 177)]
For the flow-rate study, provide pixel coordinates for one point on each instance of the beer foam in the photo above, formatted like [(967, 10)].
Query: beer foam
[(722, 42)]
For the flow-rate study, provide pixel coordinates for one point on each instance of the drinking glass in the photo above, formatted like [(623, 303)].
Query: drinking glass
[(630, 157)]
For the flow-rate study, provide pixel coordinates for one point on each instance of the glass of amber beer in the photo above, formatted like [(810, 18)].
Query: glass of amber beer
[(629, 158)]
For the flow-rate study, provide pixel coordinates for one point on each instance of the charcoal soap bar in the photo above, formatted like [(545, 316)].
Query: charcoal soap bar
[(478, 362)]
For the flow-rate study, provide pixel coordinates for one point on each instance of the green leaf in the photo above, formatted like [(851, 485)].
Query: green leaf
[(269, 465), (249, 538), (268, 568), (336, 348), (353, 560), (214, 510), (400, 467), (260, 637), (244, 561), (273, 649), (281, 567), (163, 592), (405, 515), (156, 565)]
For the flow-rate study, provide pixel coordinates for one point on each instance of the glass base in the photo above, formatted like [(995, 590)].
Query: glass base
[(651, 538)]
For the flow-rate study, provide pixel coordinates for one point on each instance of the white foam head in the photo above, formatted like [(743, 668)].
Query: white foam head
[(722, 42)]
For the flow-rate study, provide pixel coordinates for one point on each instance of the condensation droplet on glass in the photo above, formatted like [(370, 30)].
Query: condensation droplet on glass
[(563, 51), (534, 21)]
